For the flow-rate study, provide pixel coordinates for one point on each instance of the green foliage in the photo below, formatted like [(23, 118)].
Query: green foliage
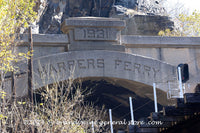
[(2, 94), (13, 15), (189, 25), (2, 117)]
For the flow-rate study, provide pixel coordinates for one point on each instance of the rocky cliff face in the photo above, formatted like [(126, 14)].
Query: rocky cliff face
[(57, 10), (53, 12), (146, 25)]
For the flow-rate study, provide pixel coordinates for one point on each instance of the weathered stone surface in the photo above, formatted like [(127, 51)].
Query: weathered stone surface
[(43, 44), (93, 33), (121, 67), (99, 64), (53, 12), (100, 33), (93, 46), (151, 7), (174, 50), (159, 41), (92, 22), (44, 39), (58, 10), (127, 3), (146, 25)]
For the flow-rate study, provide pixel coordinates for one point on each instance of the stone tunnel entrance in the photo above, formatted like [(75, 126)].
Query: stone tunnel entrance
[(95, 55), (95, 51), (129, 68), (114, 94)]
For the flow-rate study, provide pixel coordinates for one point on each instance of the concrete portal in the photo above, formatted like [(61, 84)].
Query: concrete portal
[(91, 50), (84, 64), (137, 73)]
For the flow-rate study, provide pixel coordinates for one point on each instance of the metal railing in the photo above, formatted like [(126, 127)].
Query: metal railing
[(174, 89)]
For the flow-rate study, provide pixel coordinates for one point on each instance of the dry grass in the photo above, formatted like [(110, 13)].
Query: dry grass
[(60, 108)]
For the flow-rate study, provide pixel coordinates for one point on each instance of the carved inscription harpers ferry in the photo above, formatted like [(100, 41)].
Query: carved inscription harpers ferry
[(69, 65), (96, 65), (109, 64)]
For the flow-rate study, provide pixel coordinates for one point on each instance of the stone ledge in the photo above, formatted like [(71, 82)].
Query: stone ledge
[(158, 41), (96, 47), (92, 22), (44, 40), (93, 33)]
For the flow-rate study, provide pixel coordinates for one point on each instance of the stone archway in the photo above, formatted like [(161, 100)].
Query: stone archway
[(127, 70), (112, 94), (124, 69), (94, 50), (84, 64)]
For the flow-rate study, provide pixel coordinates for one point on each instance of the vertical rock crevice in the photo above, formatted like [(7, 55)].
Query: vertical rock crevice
[(53, 12), (52, 18)]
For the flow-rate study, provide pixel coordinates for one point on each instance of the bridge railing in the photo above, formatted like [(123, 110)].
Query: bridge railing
[(174, 90)]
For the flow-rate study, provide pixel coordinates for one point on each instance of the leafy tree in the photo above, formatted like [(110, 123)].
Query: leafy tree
[(13, 15), (187, 25)]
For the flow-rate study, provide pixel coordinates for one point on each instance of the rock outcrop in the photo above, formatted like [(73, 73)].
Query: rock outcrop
[(146, 25), (53, 12)]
